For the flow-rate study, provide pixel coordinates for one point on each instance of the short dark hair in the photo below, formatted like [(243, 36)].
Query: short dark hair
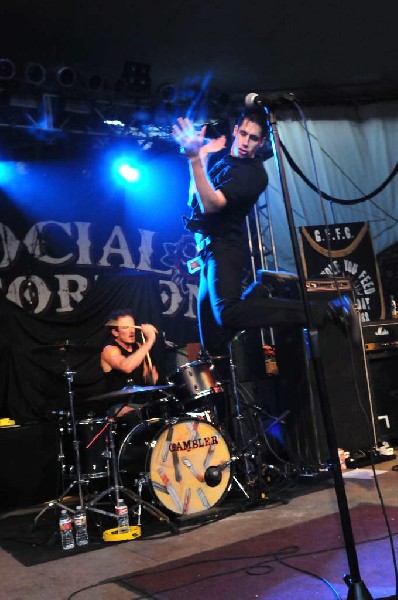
[(117, 313), (255, 115)]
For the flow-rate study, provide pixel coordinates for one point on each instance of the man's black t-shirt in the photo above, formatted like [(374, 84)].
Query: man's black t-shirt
[(241, 180)]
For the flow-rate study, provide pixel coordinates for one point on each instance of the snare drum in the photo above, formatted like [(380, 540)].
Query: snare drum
[(174, 458), (196, 381)]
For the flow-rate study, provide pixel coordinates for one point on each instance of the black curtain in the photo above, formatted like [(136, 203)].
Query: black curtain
[(32, 372)]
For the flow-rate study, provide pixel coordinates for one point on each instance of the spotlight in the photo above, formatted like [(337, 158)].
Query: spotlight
[(35, 73), (129, 173), (7, 69), (137, 77), (168, 93), (66, 77)]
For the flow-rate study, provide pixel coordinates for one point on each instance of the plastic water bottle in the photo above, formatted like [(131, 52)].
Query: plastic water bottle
[(393, 307), (80, 523), (122, 514), (66, 531)]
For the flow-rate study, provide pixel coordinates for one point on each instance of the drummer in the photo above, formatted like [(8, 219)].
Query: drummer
[(127, 361)]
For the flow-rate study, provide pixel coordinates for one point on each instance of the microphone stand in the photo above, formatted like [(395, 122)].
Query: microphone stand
[(356, 587)]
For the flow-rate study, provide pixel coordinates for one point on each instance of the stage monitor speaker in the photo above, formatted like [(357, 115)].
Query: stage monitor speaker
[(345, 371), (383, 368)]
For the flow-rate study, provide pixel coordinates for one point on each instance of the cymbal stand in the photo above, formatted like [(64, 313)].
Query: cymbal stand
[(119, 490), (237, 417), (78, 481)]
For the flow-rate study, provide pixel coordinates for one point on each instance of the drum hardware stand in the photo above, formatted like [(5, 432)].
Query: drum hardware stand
[(238, 418), (119, 489), (78, 481)]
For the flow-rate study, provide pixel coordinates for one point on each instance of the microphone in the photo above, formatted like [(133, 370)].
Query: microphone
[(213, 474), (253, 99)]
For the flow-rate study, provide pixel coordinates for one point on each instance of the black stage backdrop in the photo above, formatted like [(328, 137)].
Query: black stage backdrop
[(74, 245)]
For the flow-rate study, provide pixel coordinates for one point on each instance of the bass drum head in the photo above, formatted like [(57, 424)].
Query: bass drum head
[(177, 463)]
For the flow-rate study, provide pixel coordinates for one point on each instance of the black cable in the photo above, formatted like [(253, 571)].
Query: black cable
[(326, 196)]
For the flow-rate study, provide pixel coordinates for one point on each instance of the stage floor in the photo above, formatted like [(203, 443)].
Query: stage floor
[(309, 520)]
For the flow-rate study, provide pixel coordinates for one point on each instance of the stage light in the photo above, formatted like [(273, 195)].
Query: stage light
[(137, 77), (168, 93), (35, 73), (7, 69), (6, 169), (129, 173), (66, 77)]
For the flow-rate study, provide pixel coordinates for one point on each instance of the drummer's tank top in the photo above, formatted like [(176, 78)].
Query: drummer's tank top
[(116, 380)]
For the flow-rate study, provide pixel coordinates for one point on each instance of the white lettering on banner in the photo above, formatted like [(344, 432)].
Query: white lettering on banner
[(332, 233), (34, 242), (171, 299), (66, 293), (43, 294), (146, 252), (122, 249), (10, 246), (83, 243), (178, 290), (192, 297), (362, 282), (350, 267)]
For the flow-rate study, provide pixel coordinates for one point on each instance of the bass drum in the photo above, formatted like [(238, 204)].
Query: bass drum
[(174, 457)]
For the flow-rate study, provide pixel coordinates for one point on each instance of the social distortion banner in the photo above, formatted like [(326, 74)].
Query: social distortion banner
[(44, 277), (345, 250)]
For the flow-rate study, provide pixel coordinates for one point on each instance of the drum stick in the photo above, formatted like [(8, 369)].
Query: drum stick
[(97, 435)]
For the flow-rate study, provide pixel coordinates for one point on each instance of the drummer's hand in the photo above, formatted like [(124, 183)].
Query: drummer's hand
[(150, 374), (149, 331)]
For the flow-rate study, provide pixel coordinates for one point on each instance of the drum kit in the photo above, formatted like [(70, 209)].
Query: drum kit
[(178, 454)]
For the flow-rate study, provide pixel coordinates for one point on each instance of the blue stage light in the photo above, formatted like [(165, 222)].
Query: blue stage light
[(6, 169), (129, 173)]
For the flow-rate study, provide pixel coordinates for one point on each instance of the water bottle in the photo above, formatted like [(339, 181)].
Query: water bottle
[(80, 523), (393, 307), (122, 514), (66, 531)]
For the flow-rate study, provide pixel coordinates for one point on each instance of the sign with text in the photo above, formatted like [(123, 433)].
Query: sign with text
[(345, 250)]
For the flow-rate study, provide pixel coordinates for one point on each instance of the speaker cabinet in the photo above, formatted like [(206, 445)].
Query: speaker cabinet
[(29, 469), (383, 368), (344, 368)]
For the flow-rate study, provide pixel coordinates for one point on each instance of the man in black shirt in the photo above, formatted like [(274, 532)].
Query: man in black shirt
[(221, 200)]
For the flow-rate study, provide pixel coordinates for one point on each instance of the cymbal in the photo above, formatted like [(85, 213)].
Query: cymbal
[(126, 391), (65, 346)]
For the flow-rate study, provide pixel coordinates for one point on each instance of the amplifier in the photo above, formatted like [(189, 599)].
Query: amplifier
[(380, 336), (285, 285), (329, 285)]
